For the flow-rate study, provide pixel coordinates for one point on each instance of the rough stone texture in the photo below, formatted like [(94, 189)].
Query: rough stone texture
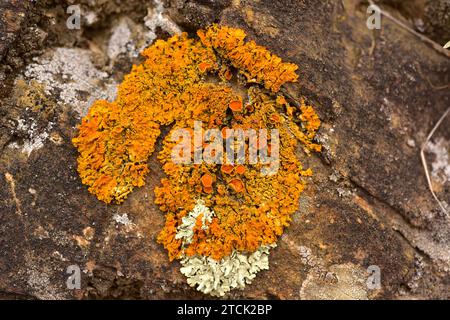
[(12, 14), (379, 93)]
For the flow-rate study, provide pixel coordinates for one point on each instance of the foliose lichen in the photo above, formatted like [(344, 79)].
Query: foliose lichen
[(221, 218)]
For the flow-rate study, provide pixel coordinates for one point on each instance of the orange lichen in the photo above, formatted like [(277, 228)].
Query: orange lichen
[(250, 209), (116, 139), (240, 169), (207, 180), (237, 185), (204, 66), (310, 118), (275, 118), (255, 62), (227, 168), (236, 105)]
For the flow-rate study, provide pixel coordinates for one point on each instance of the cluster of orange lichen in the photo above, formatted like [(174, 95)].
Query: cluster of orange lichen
[(116, 139), (251, 209), (176, 85), (255, 62)]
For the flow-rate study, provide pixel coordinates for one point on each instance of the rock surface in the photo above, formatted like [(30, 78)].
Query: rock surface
[(378, 92)]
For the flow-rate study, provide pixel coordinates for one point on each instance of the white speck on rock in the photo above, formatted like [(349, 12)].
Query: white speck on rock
[(343, 192), (156, 17), (35, 139), (122, 219), (120, 40), (440, 167), (91, 17), (411, 143)]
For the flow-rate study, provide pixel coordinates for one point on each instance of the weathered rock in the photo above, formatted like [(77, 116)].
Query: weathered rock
[(12, 15), (379, 93), (430, 17), (438, 19)]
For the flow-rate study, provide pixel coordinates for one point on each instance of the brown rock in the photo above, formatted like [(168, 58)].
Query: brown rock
[(367, 203)]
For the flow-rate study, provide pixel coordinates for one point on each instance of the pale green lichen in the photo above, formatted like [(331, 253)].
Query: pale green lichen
[(185, 231), (219, 277)]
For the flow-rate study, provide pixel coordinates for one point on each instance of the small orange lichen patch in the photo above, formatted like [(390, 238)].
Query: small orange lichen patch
[(207, 180), (275, 118), (221, 189), (307, 173), (281, 100), (237, 185), (228, 75), (310, 118), (116, 139), (240, 169), (227, 168), (204, 66), (225, 132), (236, 105), (208, 189)]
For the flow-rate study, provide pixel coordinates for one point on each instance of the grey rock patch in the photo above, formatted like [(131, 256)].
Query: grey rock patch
[(441, 165), (70, 75), (348, 283)]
